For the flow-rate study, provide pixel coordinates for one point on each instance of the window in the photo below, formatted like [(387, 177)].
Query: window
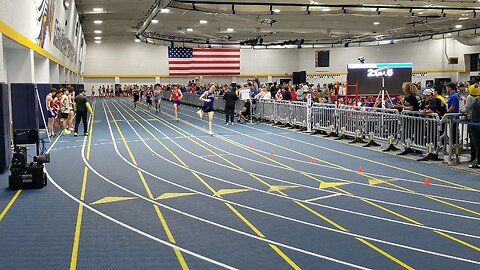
[(322, 59), (475, 62)]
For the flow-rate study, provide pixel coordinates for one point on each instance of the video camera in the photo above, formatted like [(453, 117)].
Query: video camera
[(23, 174)]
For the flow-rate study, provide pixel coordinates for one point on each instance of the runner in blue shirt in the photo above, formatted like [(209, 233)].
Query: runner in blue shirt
[(208, 99), (158, 98), (149, 99)]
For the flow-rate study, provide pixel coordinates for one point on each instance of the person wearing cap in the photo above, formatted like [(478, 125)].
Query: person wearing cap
[(230, 99), (474, 130), (81, 107)]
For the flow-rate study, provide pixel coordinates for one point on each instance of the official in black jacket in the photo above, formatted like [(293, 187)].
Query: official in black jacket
[(230, 99)]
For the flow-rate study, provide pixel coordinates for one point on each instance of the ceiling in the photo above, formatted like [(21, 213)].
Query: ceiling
[(316, 22)]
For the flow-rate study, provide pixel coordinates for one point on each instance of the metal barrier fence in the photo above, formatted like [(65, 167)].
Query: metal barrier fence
[(425, 133)]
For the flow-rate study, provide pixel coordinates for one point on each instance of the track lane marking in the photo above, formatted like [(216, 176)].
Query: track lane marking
[(78, 224), (159, 213), (9, 205), (242, 218)]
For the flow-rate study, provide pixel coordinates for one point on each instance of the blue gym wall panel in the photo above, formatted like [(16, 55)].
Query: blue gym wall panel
[(5, 139), (43, 90), (25, 111)]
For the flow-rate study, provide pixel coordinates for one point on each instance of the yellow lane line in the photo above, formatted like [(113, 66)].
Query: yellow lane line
[(331, 222), (9, 205), (379, 250), (236, 212), (78, 225), (459, 241), (454, 205), (161, 217)]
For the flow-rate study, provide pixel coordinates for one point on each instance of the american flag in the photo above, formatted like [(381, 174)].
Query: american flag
[(203, 62)]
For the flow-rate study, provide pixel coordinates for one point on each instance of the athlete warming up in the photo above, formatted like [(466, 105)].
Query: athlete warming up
[(81, 108), (176, 96), (208, 99)]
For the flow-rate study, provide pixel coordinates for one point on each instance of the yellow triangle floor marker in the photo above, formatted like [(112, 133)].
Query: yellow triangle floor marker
[(112, 200), (280, 188), (166, 196), (223, 192), (325, 185)]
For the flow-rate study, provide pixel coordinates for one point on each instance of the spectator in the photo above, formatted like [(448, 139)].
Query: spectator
[(293, 94), (453, 106), (430, 104), (279, 95), (411, 101), (273, 89), (474, 89), (475, 130), (286, 94)]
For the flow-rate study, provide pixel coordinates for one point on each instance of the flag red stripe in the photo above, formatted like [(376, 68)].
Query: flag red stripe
[(205, 68), (202, 62), (216, 50), (204, 74), (216, 56)]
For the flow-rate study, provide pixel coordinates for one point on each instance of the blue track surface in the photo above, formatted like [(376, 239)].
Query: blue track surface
[(253, 199)]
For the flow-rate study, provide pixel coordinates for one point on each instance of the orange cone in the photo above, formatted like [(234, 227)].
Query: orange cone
[(427, 182), (360, 170), (272, 153), (250, 146), (313, 161)]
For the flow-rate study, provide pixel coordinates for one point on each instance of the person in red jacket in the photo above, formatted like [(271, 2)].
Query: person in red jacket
[(293, 93)]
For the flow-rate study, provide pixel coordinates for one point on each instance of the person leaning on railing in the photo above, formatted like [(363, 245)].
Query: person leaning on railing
[(411, 101)]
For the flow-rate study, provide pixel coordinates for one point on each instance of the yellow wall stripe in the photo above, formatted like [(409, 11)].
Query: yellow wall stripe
[(24, 41)]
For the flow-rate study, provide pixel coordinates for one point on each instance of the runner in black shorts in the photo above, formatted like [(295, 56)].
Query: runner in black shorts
[(136, 98), (208, 99), (149, 99)]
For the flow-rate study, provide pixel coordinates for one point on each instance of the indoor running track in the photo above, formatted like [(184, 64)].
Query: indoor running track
[(144, 191)]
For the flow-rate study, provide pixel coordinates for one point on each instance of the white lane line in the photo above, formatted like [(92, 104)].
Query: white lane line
[(335, 168), (270, 213), (297, 184), (324, 197)]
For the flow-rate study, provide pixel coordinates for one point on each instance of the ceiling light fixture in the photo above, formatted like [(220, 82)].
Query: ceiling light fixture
[(420, 13), (98, 41), (458, 26), (326, 10), (189, 29), (98, 38), (276, 10), (203, 21), (98, 31), (376, 23), (97, 22), (97, 9), (463, 18), (449, 34), (164, 10), (154, 21), (137, 40), (230, 29)]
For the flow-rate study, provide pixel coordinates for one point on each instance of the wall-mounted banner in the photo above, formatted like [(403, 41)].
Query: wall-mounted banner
[(45, 16), (63, 43)]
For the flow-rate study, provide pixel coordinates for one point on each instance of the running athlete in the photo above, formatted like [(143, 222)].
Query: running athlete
[(65, 105), (176, 96), (136, 98), (158, 98), (149, 99), (208, 99), (50, 109)]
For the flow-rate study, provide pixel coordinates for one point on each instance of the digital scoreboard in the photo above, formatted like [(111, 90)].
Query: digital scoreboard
[(369, 77)]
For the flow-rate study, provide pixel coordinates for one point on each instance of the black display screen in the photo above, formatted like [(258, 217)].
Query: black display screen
[(369, 77)]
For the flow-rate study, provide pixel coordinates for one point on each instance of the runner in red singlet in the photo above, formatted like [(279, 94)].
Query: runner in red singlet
[(176, 96)]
